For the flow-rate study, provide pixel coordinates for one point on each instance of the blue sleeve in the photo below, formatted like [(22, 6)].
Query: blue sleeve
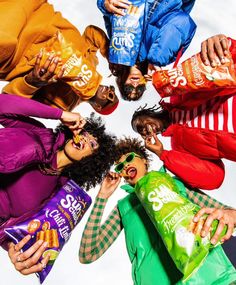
[(176, 31), (107, 17), (101, 7)]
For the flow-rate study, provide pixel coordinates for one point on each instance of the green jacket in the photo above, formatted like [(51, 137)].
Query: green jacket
[(151, 263)]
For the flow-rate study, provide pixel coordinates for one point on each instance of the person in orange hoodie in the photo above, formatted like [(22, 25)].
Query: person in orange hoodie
[(25, 28)]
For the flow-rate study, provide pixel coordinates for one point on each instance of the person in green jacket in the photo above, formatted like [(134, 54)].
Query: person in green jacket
[(151, 263)]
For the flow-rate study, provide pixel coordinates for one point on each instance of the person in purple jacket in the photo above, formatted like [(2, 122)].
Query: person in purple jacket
[(35, 161)]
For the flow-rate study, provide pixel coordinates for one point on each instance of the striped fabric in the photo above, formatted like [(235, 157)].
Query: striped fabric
[(97, 239), (216, 114)]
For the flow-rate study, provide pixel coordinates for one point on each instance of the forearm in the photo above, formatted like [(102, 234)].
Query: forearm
[(16, 105), (203, 200), (97, 239), (19, 86)]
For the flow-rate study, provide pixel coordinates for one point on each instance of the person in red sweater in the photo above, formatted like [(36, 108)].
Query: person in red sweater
[(201, 135)]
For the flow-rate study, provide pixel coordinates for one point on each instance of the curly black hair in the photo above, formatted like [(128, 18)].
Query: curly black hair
[(128, 144), (90, 170), (155, 112)]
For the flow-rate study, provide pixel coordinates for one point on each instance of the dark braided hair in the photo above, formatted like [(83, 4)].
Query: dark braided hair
[(90, 170), (155, 112), (128, 144)]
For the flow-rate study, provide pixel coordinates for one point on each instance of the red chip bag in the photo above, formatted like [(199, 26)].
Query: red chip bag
[(194, 76), (79, 73)]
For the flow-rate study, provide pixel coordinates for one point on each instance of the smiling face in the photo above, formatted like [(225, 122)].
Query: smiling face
[(76, 149), (145, 125), (135, 77), (134, 85), (133, 168)]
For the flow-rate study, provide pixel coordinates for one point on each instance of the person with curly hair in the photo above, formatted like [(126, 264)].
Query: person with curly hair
[(35, 161), (151, 263), (201, 125)]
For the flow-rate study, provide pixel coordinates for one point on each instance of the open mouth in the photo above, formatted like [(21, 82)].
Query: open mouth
[(79, 145), (131, 172)]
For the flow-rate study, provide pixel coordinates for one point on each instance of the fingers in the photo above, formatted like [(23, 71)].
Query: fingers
[(49, 68), (21, 244), (211, 52), (38, 60), (218, 231), (201, 212), (78, 124), (224, 219), (117, 6), (229, 232), (214, 50), (114, 175), (204, 55), (32, 250), (31, 256), (37, 267)]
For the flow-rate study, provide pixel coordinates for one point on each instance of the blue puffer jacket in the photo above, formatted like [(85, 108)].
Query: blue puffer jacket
[(167, 28)]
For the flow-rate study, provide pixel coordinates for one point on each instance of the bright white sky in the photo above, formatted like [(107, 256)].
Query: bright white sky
[(212, 17)]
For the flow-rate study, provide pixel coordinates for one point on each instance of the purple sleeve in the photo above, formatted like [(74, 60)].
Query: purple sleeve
[(11, 105)]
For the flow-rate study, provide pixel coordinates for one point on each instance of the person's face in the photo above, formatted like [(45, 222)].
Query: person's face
[(134, 86), (135, 77), (145, 125), (81, 146), (132, 167), (104, 97)]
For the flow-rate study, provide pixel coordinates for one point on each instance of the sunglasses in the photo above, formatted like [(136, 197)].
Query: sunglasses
[(129, 158), (77, 139), (138, 90)]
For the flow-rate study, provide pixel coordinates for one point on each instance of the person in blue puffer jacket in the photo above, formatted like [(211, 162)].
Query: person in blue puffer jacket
[(164, 29)]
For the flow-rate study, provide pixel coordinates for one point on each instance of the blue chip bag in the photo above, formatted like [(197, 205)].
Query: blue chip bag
[(53, 223), (126, 34)]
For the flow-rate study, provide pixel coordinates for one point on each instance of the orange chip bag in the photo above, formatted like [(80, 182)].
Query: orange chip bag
[(194, 76), (79, 73)]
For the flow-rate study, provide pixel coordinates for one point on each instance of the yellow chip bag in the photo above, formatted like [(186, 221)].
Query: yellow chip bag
[(79, 73)]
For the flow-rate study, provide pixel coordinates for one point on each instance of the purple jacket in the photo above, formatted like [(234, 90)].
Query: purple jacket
[(24, 143)]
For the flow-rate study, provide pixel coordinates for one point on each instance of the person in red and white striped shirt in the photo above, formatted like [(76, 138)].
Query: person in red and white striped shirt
[(201, 135)]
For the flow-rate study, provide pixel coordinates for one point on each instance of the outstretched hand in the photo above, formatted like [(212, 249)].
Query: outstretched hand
[(109, 185), (214, 50), (224, 216), (153, 144), (116, 6), (44, 73), (28, 262)]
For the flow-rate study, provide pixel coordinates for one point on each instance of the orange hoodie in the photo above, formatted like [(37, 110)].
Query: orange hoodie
[(25, 28)]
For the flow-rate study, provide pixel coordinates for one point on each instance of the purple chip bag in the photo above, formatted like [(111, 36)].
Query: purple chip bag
[(54, 222)]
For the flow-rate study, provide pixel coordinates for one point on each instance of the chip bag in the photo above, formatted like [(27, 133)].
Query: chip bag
[(54, 222), (79, 73), (126, 34), (194, 76), (172, 214)]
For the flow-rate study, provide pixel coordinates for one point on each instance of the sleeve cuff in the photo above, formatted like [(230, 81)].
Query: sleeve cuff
[(20, 87)]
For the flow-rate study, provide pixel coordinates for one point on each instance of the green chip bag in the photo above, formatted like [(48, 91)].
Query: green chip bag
[(172, 214)]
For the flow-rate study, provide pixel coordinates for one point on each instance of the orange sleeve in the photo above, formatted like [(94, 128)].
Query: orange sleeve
[(19, 86)]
